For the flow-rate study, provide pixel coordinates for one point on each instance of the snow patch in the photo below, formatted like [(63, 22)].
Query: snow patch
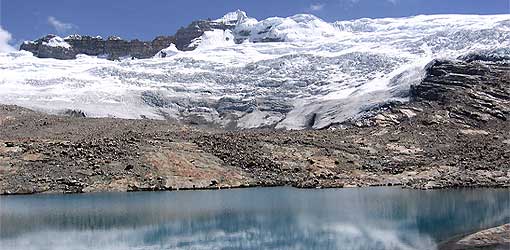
[(57, 42), (167, 52), (216, 38), (73, 37), (232, 18), (297, 28), (114, 38)]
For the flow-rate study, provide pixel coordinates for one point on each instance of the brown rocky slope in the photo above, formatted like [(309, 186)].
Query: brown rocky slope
[(454, 132)]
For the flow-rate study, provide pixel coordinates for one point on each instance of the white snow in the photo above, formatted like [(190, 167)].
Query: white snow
[(232, 17), (114, 38), (167, 52), (216, 38), (213, 39), (57, 42), (298, 28), (326, 71), (74, 36)]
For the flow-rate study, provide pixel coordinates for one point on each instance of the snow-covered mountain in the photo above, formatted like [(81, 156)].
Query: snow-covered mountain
[(294, 73)]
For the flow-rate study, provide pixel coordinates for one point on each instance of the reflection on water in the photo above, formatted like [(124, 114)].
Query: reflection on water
[(261, 218)]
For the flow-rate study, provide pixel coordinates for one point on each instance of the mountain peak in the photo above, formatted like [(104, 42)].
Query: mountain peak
[(233, 17)]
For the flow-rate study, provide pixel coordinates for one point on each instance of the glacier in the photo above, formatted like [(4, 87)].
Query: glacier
[(296, 72)]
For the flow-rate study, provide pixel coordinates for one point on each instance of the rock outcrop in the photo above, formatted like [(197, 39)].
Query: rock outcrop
[(185, 39), (489, 239), (493, 236), (471, 91), (113, 48)]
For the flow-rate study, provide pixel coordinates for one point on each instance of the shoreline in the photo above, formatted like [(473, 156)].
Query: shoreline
[(253, 187)]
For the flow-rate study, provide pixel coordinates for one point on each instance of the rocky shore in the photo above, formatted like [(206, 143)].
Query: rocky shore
[(452, 133)]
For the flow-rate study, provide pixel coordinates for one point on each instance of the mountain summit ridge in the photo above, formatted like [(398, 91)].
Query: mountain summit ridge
[(114, 47), (300, 27)]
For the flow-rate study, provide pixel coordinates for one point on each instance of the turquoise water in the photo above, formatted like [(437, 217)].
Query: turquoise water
[(259, 218)]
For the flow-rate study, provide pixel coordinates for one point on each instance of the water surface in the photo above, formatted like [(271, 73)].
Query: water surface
[(259, 218)]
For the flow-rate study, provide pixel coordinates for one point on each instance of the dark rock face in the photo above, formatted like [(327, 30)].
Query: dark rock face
[(74, 113), (162, 41), (226, 104), (113, 47), (88, 45), (185, 36), (471, 91), (42, 49)]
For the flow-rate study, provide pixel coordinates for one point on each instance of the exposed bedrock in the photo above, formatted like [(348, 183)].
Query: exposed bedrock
[(489, 239), (470, 91), (185, 39), (112, 48)]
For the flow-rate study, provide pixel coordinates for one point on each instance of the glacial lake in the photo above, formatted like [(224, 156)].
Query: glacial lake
[(257, 218)]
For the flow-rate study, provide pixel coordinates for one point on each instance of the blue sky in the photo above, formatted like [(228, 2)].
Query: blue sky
[(144, 19)]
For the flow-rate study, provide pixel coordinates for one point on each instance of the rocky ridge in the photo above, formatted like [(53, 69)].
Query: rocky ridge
[(453, 133), (52, 46), (238, 24)]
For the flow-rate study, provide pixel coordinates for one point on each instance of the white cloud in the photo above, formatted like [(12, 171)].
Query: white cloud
[(5, 37), (60, 26), (317, 7), (392, 1)]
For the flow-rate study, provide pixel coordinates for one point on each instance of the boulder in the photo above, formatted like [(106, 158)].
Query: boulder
[(497, 236)]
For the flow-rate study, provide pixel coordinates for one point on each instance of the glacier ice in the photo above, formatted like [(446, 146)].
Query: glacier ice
[(292, 73)]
